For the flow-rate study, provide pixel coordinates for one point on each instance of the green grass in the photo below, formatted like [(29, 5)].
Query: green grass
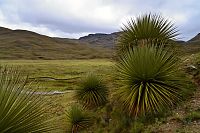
[(61, 74), (192, 116), (65, 75)]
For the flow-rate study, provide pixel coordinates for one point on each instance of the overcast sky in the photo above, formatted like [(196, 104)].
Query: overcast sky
[(75, 18)]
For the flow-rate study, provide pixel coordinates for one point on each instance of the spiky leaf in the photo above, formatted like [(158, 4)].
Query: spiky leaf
[(150, 80), (78, 119), (92, 92), (21, 110), (146, 29)]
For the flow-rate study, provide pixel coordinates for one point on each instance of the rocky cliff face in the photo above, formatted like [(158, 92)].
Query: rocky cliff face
[(100, 39)]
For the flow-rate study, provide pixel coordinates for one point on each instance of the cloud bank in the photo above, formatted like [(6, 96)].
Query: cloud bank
[(75, 18)]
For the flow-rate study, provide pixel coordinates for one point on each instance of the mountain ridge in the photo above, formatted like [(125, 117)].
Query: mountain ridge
[(195, 38), (101, 39), (22, 44)]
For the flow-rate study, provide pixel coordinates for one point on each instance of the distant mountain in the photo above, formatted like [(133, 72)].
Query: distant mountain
[(107, 40), (22, 44), (100, 39), (196, 38), (193, 45)]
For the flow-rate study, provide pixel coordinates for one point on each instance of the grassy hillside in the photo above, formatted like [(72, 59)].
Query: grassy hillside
[(21, 44), (192, 47)]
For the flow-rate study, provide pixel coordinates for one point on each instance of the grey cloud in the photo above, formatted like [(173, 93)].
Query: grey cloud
[(70, 20)]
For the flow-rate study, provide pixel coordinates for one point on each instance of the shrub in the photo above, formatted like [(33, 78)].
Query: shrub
[(137, 127), (195, 115), (146, 29), (150, 80), (78, 119), (21, 110), (92, 93)]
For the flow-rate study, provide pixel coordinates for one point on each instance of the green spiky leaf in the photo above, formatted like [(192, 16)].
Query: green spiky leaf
[(92, 92), (78, 119), (21, 110), (150, 80), (146, 29)]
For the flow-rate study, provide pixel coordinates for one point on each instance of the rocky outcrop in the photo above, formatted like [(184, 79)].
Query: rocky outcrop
[(101, 39)]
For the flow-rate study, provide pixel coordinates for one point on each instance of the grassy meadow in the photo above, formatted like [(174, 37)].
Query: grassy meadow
[(62, 75), (65, 75)]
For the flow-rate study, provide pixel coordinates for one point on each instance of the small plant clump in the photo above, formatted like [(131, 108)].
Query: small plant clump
[(192, 116), (92, 92), (78, 119)]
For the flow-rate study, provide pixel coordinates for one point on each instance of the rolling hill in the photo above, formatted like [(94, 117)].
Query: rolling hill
[(22, 44), (193, 45)]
